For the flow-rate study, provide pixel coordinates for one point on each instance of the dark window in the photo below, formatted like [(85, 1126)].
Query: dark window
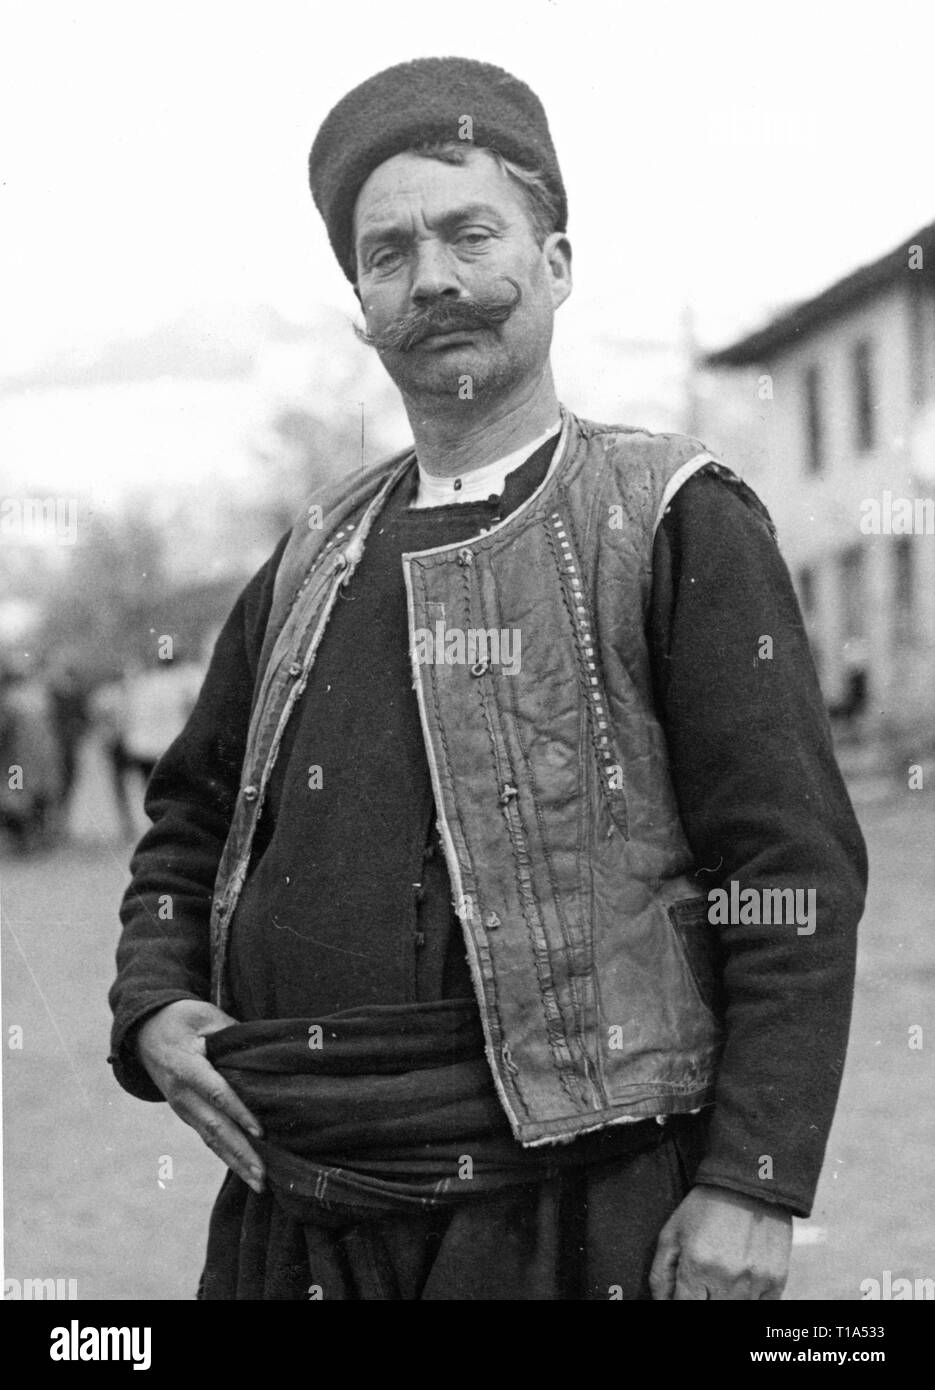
[(919, 352), (814, 424), (864, 402), (852, 593), (903, 590)]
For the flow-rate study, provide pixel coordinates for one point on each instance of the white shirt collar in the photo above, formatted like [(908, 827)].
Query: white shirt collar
[(478, 483)]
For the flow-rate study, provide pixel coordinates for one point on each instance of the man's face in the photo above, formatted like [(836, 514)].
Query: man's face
[(432, 238)]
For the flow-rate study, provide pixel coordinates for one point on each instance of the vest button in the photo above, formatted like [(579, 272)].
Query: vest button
[(465, 556), (339, 562), (295, 669), (251, 793), (480, 668), (507, 794)]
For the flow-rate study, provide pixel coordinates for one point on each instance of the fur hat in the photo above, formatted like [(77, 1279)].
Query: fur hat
[(429, 99)]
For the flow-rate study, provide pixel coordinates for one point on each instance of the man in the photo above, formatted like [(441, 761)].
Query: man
[(481, 754), (68, 696), (31, 786)]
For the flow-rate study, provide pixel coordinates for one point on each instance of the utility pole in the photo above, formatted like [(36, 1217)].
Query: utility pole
[(691, 359)]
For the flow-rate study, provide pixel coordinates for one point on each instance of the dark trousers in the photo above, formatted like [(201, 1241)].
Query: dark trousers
[(587, 1234)]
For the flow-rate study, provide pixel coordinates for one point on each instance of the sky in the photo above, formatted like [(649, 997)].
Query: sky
[(728, 156)]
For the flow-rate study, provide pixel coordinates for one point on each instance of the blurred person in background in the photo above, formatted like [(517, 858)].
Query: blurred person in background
[(71, 718), (109, 715), (440, 984), (31, 775), (137, 716), (157, 702), (848, 711)]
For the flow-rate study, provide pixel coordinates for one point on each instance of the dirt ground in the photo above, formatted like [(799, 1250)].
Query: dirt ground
[(116, 1193)]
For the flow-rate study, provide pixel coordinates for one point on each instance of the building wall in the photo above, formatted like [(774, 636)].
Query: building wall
[(869, 599)]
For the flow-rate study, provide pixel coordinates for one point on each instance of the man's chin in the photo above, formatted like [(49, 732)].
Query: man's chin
[(458, 371)]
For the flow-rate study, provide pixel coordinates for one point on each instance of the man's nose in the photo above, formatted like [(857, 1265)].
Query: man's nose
[(435, 273)]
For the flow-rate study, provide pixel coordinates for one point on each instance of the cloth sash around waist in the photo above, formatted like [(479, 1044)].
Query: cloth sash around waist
[(385, 1109)]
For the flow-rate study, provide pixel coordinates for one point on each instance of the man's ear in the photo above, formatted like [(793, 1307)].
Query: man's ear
[(557, 251)]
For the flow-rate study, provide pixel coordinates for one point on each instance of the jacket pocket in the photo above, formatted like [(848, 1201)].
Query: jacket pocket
[(702, 951)]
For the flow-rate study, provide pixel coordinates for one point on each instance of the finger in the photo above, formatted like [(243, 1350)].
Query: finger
[(662, 1274), (693, 1282), (721, 1287), (224, 1138), (771, 1290), (199, 1074), (689, 1291)]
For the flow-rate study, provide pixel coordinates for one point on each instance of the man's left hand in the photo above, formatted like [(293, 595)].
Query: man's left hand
[(722, 1245)]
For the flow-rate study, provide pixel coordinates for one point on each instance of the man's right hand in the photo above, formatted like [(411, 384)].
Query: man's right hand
[(171, 1046)]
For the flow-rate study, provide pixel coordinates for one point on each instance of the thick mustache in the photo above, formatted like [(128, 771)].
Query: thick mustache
[(443, 316)]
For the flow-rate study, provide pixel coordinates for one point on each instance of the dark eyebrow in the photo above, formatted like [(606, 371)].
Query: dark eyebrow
[(471, 212), (392, 233)]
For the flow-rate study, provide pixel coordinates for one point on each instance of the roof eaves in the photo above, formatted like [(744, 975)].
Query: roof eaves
[(803, 318)]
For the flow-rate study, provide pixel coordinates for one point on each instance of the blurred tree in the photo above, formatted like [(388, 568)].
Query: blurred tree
[(94, 605), (326, 408), (299, 451)]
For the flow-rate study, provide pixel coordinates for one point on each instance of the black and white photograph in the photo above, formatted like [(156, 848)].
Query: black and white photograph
[(467, 662)]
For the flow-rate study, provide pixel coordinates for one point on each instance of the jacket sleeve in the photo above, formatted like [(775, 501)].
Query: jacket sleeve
[(163, 953), (763, 804)]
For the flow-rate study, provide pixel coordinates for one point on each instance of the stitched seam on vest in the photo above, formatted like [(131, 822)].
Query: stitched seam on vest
[(478, 951), (492, 1014), (606, 490), (595, 505), (505, 1072), (501, 777), (503, 1066), (586, 869), (569, 568), (559, 1052), (591, 677), (571, 951)]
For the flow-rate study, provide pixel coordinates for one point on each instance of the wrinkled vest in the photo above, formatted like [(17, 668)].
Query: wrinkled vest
[(587, 937)]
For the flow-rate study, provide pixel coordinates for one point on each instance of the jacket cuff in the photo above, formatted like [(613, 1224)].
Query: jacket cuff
[(128, 1069), (710, 1174)]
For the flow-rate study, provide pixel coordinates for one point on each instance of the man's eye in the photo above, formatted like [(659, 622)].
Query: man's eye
[(473, 238), (386, 260)]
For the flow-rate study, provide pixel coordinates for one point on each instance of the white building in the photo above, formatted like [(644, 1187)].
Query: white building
[(836, 432)]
